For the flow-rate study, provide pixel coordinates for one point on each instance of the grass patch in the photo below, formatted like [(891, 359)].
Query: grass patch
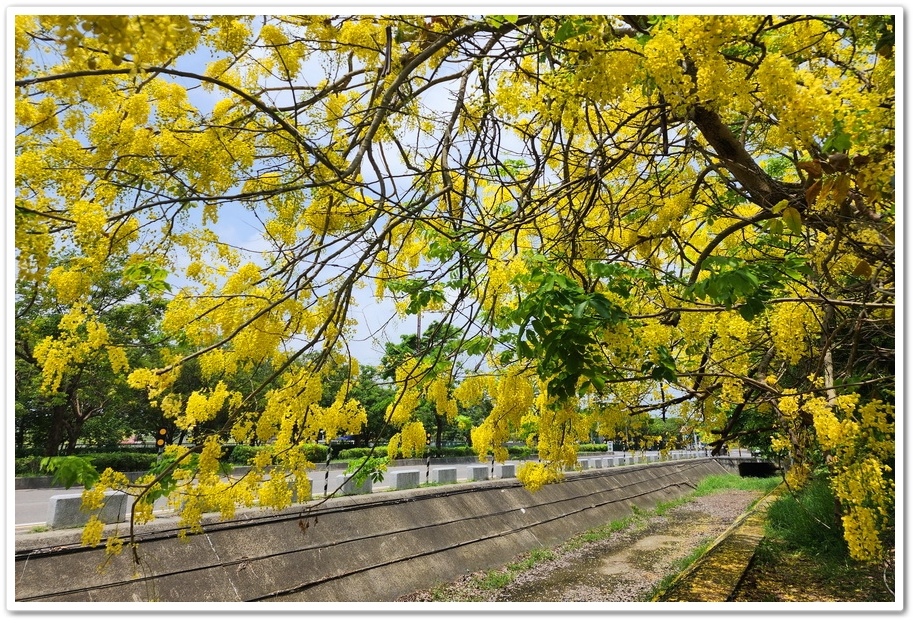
[(603, 532), (712, 484), (803, 556), (805, 521), (721, 482), (495, 580), (533, 559)]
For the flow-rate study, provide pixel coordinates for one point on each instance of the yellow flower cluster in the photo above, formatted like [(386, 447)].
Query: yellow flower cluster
[(229, 33), (560, 427), (859, 447), (861, 529), (797, 475), (797, 99), (92, 532), (793, 327), (403, 408), (81, 339), (142, 39), (275, 492), (471, 390), (489, 437), (665, 64), (203, 408), (114, 546), (411, 441), (534, 475), (437, 392)]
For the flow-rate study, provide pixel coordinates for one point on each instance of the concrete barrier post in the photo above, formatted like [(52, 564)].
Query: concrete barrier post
[(506, 471), (478, 472), (350, 487), (445, 475), (406, 479), (65, 510)]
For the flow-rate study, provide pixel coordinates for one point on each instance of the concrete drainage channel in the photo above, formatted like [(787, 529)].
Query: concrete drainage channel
[(359, 548)]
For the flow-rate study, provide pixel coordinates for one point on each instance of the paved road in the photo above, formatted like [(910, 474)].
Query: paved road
[(31, 505)]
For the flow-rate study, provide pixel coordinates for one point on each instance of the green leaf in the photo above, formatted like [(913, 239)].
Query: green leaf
[(751, 308), (792, 218), (571, 28)]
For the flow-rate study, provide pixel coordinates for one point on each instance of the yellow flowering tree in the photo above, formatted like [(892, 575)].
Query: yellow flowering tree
[(620, 215), (71, 360)]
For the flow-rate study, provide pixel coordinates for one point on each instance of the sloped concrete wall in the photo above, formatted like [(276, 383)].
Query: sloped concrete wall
[(365, 548)]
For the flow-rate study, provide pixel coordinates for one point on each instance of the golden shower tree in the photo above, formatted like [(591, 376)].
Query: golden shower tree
[(676, 214)]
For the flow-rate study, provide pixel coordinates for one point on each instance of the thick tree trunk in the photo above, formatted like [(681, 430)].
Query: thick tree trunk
[(56, 430)]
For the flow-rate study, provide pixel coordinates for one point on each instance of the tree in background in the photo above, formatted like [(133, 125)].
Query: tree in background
[(429, 354), (88, 397), (673, 212)]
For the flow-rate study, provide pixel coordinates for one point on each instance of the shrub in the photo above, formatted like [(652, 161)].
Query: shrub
[(358, 453), (28, 465), (519, 452), (315, 452), (123, 461), (455, 451), (242, 454)]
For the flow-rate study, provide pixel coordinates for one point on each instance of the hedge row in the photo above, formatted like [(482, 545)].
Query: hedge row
[(118, 461), (242, 455)]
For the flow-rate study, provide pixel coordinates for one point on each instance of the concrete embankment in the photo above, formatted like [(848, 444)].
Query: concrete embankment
[(372, 547)]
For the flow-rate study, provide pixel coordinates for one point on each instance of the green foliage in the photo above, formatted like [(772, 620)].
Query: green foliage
[(664, 369), (28, 465), (93, 405), (570, 28), (122, 461), (167, 482), (420, 291), (148, 274), (807, 521), (499, 20), (722, 482), (559, 327), (733, 282), (71, 470), (368, 467)]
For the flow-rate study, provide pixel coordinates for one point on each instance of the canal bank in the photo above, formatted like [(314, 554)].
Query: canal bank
[(364, 548)]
